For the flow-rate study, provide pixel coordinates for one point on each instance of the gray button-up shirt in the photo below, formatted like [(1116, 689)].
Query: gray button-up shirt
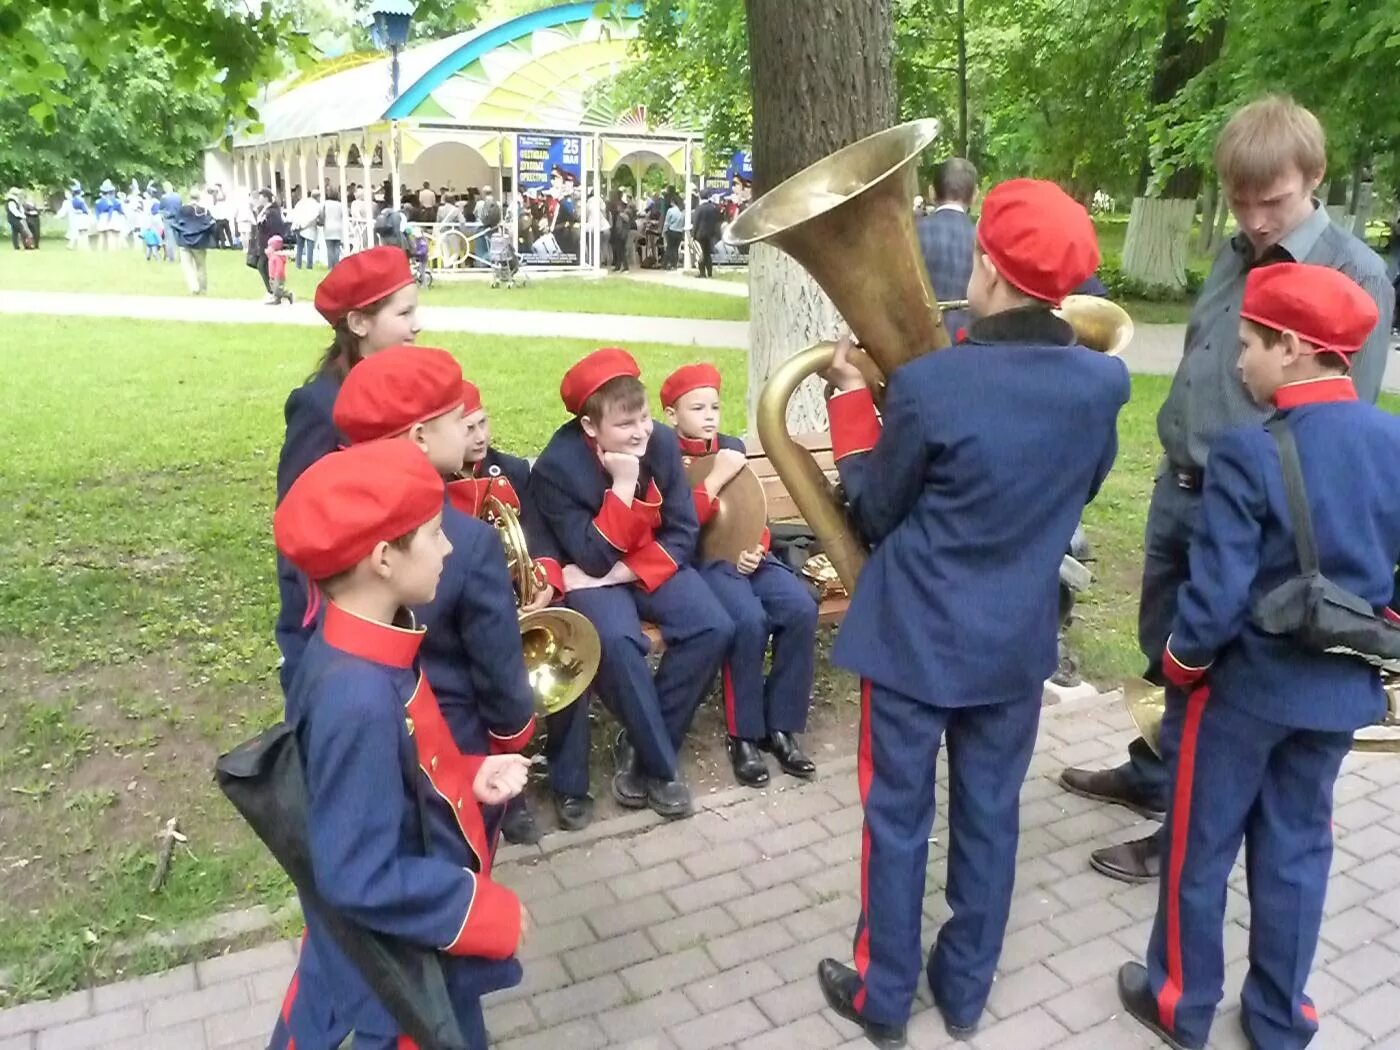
[(1207, 396)]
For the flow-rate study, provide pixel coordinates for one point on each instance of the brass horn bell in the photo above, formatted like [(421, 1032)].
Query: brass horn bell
[(561, 647)]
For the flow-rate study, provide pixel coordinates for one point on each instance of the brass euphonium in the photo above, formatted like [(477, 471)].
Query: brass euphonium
[(849, 221), (561, 647)]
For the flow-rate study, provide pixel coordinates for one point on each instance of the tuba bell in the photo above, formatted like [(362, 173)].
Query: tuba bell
[(561, 647), (847, 220)]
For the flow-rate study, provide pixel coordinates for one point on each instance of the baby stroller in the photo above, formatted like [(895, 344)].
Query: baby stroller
[(505, 261), (418, 248)]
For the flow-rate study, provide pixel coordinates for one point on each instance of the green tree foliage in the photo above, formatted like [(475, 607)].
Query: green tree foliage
[(125, 121)]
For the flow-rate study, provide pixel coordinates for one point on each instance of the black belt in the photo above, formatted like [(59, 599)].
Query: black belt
[(1188, 478)]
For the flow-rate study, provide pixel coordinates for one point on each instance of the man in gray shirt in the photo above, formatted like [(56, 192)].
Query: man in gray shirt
[(1270, 158)]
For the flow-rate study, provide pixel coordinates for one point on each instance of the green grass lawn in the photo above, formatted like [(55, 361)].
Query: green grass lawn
[(54, 269), (137, 602)]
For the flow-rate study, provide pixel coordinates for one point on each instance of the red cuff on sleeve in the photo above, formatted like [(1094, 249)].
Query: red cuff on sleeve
[(1177, 673), (766, 540), (705, 505), (1391, 615), (652, 565), (854, 425), (513, 743), (553, 575), (491, 928), (617, 524)]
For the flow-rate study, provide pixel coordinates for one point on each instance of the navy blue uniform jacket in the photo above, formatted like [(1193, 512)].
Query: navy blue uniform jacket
[(507, 478), (310, 435), (1243, 547), (472, 651), (970, 494), (355, 691), (594, 529)]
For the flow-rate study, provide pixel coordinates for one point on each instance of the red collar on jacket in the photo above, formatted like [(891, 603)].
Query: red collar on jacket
[(1314, 392), (698, 446), (370, 640)]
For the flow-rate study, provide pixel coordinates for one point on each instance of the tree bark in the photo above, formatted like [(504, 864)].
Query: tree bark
[(823, 77), (1206, 238), (1155, 250)]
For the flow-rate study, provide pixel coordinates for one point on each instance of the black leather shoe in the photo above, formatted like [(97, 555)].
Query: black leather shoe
[(629, 785), (1110, 785), (575, 812), (783, 747), (955, 1030), (518, 825), (749, 767), (669, 798), (1135, 993), (839, 985), (1132, 862)]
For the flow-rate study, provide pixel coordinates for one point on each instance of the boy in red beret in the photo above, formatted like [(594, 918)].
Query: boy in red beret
[(761, 594), (612, 489), (365, 524), (472, 652), (370, 301), (1257, 723), (969, 493)]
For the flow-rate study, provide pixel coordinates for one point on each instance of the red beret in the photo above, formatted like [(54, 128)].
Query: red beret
[(388, 392), (361, 279), (1038, 237), (471, 397), (1320, 305), (687, 378), (592, 372), (346, 503)]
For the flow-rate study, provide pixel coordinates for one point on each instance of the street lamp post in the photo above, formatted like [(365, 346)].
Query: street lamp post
[(389, 29)]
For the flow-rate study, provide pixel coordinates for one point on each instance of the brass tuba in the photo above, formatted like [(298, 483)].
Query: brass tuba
[(848, 219), (561, 647)]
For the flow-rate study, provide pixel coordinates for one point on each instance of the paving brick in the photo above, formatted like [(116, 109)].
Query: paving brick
[(189, 1036), (749, 944), (729, 825), (791, 837), (608, 956), (1365, 967), (207, 1002), (719, 859), (695, 928), (1078, 890), (1087, 1004), (733, 1024), (1027, 987), (648, 881), (788, 868), (768, 904), (604, 860), (810, 1033), (801, 959), (839, 913), (718, 889), (1030, 1030), (276, 956), (793, 807), (92, 1031), (248, 1023), (504, 1020), (844, 789), (1087, 960), (127, 993), (793, 1000), (1378, 874), (556, 937), (529, 881), (18, 1042), (1368, 842), (832, 879), (45, 1013), (1027, 944), (577, 1035), (668, 971), (579, 999), (637, 1019), (840, 849), (732, 986), (1092, 920), (270, 984), (569, 904), (667, 842), (1374, 1013), (842, 822), (542, 975), (630, 915)]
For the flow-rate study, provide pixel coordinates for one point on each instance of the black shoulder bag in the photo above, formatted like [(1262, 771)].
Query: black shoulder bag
[(266, 783), (1309, 608)]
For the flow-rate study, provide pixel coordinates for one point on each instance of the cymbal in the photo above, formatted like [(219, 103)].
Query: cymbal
[(740, 518), (1147, 704)]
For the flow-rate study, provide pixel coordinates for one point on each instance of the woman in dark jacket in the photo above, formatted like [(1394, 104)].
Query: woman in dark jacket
[(267, 223)]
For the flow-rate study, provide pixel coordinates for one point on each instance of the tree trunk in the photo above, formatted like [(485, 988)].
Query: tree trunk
[(1155, 244), (1212, 202), (826, 79), (1222, 220)]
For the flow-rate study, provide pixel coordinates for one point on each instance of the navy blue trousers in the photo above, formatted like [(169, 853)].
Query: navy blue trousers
[(770, 603), (1240, 778), (989, 751), (655, 712)]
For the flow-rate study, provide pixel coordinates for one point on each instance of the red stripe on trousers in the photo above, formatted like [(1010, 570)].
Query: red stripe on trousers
[(1170, 994), (1309, 1012), (865, 771), (405, 1043), (729, 715)]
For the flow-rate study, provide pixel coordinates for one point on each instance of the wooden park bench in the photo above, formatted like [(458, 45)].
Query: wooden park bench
[(781, 509)]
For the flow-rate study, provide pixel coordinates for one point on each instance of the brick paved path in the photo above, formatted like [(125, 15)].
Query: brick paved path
[(706, 933)]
